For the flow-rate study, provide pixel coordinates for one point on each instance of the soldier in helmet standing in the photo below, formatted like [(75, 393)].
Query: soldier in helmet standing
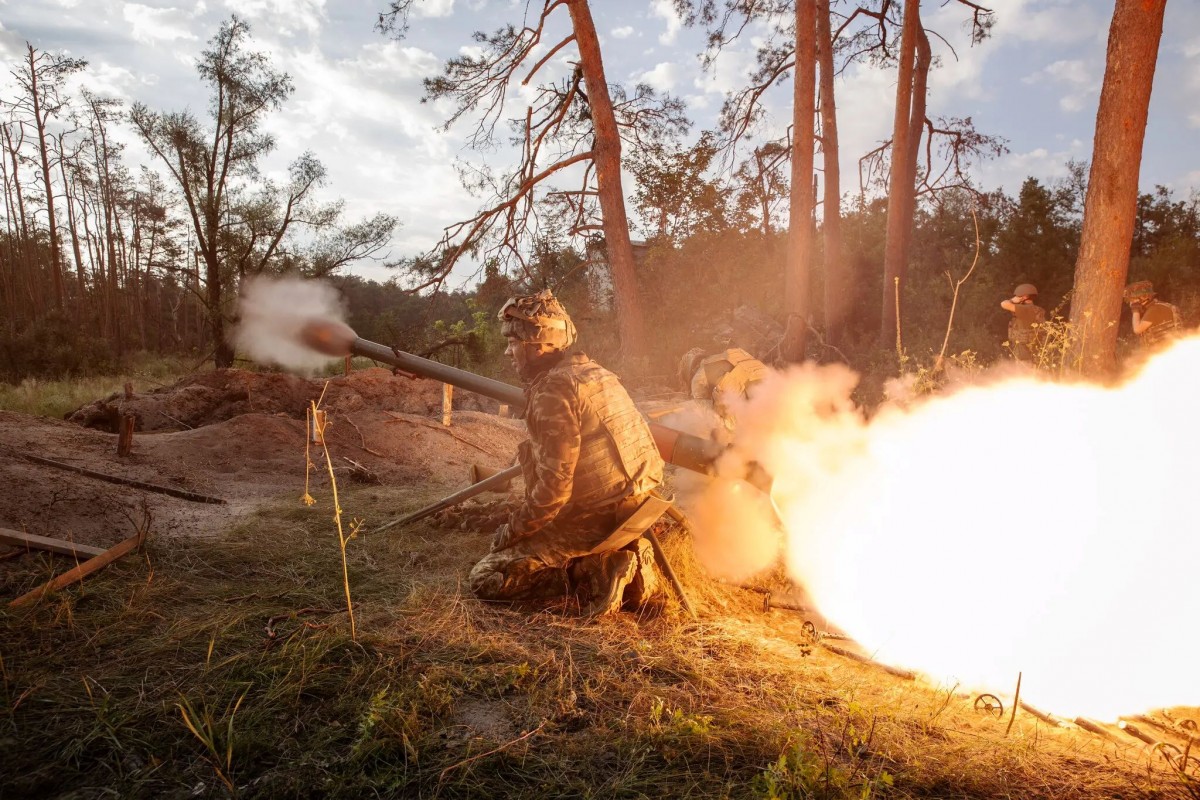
[(1028, 316), (716, 379), (589, 462), (1153, 320)]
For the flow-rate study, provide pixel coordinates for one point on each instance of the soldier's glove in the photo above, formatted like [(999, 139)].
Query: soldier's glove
[(504, 538)]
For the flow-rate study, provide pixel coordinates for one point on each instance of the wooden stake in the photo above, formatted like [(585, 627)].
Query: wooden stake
[(447, 402), (82, 570), (348, 367), (128, 391), (125, 435)]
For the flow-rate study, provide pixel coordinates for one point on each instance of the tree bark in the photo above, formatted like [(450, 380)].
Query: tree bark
[(68, 201), (1110, 209), (43, 153), (837, 281), (800, 228), (906, 129), (607, 157)]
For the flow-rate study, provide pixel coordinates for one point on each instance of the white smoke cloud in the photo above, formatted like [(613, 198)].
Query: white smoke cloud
[(272, 312), (1022, 526)]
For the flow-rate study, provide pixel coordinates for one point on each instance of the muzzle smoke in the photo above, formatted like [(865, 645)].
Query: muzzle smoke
[(274, 311), (1024, 526)]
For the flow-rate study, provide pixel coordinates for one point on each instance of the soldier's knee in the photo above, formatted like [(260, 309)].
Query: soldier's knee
[(486, 580)]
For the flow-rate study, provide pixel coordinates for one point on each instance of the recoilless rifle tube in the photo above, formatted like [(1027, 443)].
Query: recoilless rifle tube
[(337, 339)]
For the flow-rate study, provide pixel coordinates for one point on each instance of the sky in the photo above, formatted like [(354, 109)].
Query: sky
[(357, 102)]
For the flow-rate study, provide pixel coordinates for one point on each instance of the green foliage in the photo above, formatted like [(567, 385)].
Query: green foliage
[(52, 346), (676, 722), (809, 770), (58, 397)]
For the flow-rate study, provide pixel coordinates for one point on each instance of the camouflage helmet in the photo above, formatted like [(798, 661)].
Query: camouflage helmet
[(538, 319), (688, 366), (1139, 292), (1025, 290)]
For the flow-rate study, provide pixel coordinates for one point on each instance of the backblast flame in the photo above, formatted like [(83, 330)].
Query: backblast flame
[(1024, 526)]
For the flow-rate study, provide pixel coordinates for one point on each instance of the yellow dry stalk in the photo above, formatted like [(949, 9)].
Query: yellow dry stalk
[(307, 499), (355, 525)]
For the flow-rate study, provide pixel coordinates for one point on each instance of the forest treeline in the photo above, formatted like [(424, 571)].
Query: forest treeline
[(99, 260)]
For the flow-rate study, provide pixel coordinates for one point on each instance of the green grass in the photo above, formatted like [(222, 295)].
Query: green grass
[(55, 398), (225, 667)]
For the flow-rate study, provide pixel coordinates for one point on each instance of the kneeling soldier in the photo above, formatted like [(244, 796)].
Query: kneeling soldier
[(589, 462)]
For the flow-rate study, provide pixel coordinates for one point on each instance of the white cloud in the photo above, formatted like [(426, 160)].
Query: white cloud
[(1074, 71), (1046, 165), (110, 80), (663, 77), (283, 17), (1054, 22), (1081, 78), (665, 10), (623, 32), (155, 25), (432, 9)]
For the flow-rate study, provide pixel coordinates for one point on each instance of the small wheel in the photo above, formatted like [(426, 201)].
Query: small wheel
[(989, 704), (809, 632), (1189, 725)]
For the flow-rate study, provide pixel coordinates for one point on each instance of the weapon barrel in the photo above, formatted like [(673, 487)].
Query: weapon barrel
[(678, 448), (488, 387), (494, 482)]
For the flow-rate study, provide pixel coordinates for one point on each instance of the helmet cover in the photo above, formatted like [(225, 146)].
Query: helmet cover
[(538, 319)]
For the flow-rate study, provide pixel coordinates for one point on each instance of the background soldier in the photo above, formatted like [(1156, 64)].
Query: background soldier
[(1153, 320), (1023, 328), (589, 462), (716, 379)]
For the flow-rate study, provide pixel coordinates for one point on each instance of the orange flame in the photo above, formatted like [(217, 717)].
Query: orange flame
[(1023, 526)]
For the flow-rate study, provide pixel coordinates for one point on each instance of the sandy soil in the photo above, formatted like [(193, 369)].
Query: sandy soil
[(238, 436)]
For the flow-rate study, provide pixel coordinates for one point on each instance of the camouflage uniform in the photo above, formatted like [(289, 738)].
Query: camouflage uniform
[(589, 461), (1164, 322), (721, 377), (1024, 331)]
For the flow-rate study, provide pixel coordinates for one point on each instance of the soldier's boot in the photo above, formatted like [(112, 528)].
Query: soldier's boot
[(646, 586), (604, 578)]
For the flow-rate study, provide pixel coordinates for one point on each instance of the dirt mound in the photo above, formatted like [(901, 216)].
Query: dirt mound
[(211, 397)]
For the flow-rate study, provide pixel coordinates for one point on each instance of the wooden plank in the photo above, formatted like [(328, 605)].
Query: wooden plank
[(28, 540), (81, 571)]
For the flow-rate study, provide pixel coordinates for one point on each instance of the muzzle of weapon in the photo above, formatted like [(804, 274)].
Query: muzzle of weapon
[(338, 339)]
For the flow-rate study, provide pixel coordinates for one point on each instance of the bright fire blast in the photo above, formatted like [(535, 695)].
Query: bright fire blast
[(1024, 526)]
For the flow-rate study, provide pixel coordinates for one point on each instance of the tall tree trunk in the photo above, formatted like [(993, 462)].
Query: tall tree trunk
[(801, 235), (68, 201), (9, 274), (838, 281), (607, 156), (43, 152), (1110, 209), (28, 259), (901, 201)]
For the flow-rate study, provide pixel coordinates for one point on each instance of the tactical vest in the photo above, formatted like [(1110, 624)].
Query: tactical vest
[(731, 374), (1023, 337), (1164, 322), (617, 454), (1020, 327)]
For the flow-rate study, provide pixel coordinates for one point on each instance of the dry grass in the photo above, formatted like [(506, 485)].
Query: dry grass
[(232, 661), (56, 398)]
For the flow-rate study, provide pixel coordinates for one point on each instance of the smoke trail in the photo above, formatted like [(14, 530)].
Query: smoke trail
[(1024, 526), (272, 312)]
